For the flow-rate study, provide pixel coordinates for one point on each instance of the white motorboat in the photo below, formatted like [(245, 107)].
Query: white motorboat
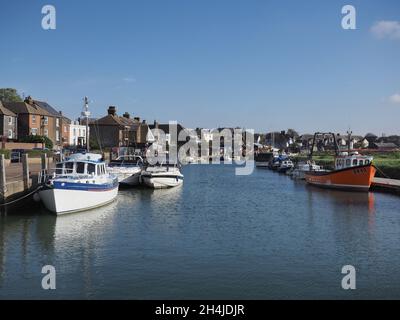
[(79, 183), (299, 172), (285, 166), (162, 176), (127, 169)]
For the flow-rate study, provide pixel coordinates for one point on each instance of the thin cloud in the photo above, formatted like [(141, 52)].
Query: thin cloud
[(395, 98), (129, 79), (386, 29)]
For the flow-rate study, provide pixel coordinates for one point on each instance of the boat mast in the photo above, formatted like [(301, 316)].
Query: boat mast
[(86, 113)]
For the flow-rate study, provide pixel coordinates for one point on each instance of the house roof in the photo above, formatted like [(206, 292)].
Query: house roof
[(115, 120), (165, 127), (47, 107), (22, 107), (386, 145), (5, 111)]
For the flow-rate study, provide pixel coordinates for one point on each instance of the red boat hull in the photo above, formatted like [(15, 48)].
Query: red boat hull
[(353, 178)]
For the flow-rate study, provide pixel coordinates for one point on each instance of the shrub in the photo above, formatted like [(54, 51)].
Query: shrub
[(38, 139)]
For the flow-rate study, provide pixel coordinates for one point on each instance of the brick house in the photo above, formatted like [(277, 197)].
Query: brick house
[(8, 123), (118, 131), (37, 118)]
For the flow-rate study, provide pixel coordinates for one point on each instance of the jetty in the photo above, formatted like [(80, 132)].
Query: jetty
[(21, 180), (385, 184)]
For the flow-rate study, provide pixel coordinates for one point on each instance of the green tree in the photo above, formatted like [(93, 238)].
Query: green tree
[(9, 95), (38, 139)]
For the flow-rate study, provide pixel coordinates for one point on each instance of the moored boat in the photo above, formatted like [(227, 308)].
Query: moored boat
[(352, 171), (79, 183), (300, 170), (127, 168), (285, 166), (162, 176), (262, 159)]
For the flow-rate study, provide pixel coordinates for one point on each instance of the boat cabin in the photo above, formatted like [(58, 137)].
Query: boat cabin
[(81, 168), (345, 160)]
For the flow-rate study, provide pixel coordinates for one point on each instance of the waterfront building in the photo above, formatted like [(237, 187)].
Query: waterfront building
[(8, 123), (37, 118)]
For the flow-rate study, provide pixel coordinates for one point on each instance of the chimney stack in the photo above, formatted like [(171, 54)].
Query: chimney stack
[(29, 100), (126, 115), (137, 119), (112, 110)]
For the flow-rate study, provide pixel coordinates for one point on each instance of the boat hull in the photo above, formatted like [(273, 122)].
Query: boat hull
[(63, 200), (354, 178), (159, 181)]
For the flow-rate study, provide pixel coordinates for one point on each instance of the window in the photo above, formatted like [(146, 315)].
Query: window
[(34, 131), (45, 120), (33, 119), (57, 135), (74, 132), (354, 162), (10, 134), (59, 168), (366, 162), (65, 129), (91, 169), (69, 167), (348, 162), (57, 122), (80, 167), (361, 162), (46, 132), (10, 120)]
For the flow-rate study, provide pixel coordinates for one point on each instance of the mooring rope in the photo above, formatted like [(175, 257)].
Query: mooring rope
[(386, 176), (23, 197)]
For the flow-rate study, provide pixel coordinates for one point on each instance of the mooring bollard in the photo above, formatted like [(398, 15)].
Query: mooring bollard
[(3, 186), (25, 171)]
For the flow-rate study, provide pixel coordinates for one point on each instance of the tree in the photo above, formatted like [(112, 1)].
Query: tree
[(38, 139), (292, 133), (9, 95)]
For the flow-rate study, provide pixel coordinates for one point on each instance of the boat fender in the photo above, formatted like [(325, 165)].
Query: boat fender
[(36, 197)]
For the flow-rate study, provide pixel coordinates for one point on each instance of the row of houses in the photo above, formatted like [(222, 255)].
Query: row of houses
[(38, 118)]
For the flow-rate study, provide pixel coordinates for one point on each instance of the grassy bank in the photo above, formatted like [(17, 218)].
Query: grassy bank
[(388, 163)]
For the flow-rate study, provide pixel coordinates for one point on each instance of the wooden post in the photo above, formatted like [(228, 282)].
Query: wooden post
[(25, 171), (44, 162), (3, 186)]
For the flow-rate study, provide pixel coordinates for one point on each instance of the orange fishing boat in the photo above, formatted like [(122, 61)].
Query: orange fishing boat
[(352, 172)]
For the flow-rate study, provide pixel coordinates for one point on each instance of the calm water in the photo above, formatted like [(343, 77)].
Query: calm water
[(219, 236)]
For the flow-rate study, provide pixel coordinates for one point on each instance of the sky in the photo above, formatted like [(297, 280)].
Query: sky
[(264, 65)]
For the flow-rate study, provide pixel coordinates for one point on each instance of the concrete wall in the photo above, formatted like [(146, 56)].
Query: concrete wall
[(20, 145)]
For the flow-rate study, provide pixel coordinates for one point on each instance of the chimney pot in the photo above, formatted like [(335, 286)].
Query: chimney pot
[(112, 110)]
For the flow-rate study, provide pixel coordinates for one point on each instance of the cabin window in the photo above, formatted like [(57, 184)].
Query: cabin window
[(80, 167), (348, 162), (91, 169), (354, 162), (59, 168), (366, 161), (361, 162), (69, 167)]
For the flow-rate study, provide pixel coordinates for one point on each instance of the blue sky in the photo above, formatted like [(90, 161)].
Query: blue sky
[(266, 65)]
